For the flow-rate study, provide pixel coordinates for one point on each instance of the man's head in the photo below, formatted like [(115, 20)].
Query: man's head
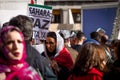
[(66, 36), (80, 36), (24, 23), (101, 31), (95, 35)]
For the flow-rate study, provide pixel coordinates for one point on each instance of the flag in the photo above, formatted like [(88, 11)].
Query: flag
[(32, 1)]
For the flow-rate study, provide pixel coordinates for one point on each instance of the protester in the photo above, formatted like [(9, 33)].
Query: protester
[(72, 38), (90, 63), (101, 31), (114, 72), (13, 55), (60, 57), (79, 39), (66, 36), (113, 46), (96, 36), (34, 58), (104, 43)]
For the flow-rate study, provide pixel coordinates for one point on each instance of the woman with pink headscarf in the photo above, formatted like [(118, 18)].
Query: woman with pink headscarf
[(13, 55)]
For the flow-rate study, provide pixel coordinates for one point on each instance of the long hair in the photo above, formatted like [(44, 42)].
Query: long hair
[(91, 55)]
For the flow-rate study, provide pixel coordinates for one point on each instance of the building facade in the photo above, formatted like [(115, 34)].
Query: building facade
[(67, 14)]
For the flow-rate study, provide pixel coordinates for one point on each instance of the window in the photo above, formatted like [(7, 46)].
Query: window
[(56, 18), (76, 15)]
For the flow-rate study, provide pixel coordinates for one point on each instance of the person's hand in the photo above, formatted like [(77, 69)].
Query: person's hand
[(3, 70), (2, 76), (54, 65)]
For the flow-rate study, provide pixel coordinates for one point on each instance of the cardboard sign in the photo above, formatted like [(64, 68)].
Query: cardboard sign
[(41, 16)]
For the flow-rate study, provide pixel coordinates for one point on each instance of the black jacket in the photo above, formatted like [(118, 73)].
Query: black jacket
[(114, 73), (39, 62)]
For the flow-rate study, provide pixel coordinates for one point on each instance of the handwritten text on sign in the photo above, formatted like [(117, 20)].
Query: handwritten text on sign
[(41, 16)]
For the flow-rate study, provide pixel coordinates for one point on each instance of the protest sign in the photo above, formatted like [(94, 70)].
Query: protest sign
[(41, 16)]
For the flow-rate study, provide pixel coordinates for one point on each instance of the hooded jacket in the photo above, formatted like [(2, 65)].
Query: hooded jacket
[(40, 63), (62, 57)]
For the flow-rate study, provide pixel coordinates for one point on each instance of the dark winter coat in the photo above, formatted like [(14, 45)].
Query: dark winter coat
[(114, 73)]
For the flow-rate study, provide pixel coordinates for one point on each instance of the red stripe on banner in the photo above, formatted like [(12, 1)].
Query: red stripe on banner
[(32, 2)]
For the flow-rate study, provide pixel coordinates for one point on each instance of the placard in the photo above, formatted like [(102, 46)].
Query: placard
[(41, 16)]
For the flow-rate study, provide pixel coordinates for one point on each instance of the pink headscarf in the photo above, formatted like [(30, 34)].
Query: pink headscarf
[(7, 65), (3, 50)]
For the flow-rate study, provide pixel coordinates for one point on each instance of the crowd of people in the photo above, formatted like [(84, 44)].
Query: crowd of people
[(68, 55)]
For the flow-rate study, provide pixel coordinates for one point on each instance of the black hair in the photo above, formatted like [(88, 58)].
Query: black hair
[(79, 34), (52, 34), (95, 35)]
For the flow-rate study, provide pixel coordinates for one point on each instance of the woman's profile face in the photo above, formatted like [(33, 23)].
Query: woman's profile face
[(50, 44), (14, 45)]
